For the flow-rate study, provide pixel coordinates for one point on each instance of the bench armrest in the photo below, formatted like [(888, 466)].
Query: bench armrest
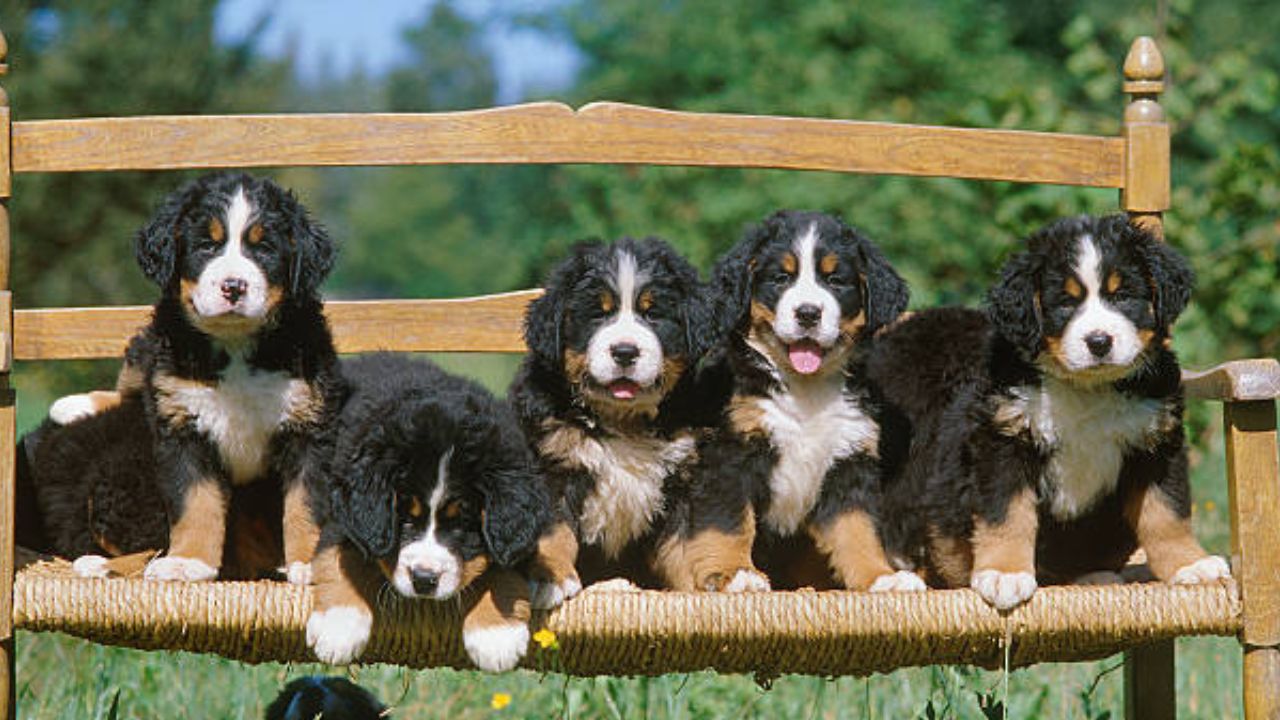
[(1235, 380)]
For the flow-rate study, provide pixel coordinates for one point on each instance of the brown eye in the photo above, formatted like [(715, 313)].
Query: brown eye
[(216, 231), (453, 509), (606, 302), (1072, 287), (255, 234), (415, 508)]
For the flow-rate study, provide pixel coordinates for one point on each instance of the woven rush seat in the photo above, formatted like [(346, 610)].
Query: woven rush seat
[(649, 632)]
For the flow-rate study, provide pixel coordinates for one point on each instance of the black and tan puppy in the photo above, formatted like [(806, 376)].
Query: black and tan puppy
[(798, 463), (236, 372), (432, 491), (609, 400), (1047, 433)]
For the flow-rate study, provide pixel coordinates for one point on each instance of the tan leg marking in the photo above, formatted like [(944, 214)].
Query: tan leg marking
[(557, 555), (200, 530), (853, 549), (501, 598), (746, 416), (343, 579), (1010, 546), (710, 559), (1166, 538), (950, 560), (130, 565), (472, 569), (300, 530)]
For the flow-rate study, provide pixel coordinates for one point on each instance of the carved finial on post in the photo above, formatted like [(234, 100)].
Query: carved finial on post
[(1146, 133)]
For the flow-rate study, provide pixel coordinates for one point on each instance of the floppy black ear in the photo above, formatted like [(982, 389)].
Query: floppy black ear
[(156, 244), (1172, 279), (544, 320), (362, 493), (733, 277), (516, 511), (313, 250), (887, 293), (1013, 303)]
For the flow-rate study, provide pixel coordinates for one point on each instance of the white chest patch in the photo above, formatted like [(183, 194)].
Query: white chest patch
[(240, 413), (628, 490), (811, 428), (1086, 432)]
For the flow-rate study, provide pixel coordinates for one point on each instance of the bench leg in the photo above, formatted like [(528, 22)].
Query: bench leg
[(8, 458), (1150, 683)]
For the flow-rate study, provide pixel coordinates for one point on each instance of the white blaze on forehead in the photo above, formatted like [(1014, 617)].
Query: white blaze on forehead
[(426, 553), (625, 328), (232, 264), (807, 291), (1097, 315)]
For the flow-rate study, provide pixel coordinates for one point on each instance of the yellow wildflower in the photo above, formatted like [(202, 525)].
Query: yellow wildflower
[(546, 639), (500, 700), (1210, 505)]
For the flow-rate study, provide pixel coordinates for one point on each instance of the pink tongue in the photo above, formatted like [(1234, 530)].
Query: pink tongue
[(806, 357), (623, 389)]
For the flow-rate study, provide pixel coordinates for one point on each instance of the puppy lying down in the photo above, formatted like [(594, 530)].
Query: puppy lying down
[(430, 492)]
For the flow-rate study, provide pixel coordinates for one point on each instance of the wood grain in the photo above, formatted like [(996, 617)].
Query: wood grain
[(1150, 687), (490, 323), (1253, 477), (554, 133), (1236, 380), (1261, 683)]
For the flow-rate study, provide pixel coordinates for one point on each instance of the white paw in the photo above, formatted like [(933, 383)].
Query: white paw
[(1099, 577), (614, 585), (901, 581), (1206, 569), (748, 581), (179, 568), (298, 573), (1004, 590), (338, 635), (90, 566), (497, 648), (70, 408), (547, 595)]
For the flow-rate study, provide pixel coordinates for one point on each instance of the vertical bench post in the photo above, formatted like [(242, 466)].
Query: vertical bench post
[(1149, 678), (8, 447)]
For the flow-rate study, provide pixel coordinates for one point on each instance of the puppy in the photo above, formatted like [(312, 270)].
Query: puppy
[(798, 461), (236, 372), (611, 402), (325, 698), (1047, 433), (433, 491)]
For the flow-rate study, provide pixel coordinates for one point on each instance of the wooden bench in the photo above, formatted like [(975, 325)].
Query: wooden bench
[(647, 632)]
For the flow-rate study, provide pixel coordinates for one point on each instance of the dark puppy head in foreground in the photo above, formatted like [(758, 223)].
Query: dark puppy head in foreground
[(802, 287), (431, 477), (325, 698), (621, 322), (232, 248), (1090, 298)]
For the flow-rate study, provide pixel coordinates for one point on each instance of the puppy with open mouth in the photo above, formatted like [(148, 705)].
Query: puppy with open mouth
[(434, 494), (611, 401), (1047, 431), (794, 473)]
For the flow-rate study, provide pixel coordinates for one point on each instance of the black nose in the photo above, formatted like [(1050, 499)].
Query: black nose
[(624, 354), (1099, 343), (424, 581), (808, 315), (233, 289)]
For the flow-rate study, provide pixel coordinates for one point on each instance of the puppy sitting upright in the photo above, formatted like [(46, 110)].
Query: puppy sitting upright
[(236, 370), (432, 490), (1048, 433), (607, 398), (799, 457)]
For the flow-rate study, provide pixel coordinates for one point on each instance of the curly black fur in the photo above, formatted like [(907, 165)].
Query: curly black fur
[(325, 698)]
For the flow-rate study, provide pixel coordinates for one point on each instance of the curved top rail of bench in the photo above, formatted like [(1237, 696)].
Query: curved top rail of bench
[(550, 132)]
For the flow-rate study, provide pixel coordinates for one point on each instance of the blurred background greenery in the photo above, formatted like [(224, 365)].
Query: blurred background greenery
[(1048, 65)]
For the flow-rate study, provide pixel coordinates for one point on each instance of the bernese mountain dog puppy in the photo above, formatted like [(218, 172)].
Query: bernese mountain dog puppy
[(611, 401), (318, 697), (234, 376), (433, 493), (1047, 433), (796, 470)]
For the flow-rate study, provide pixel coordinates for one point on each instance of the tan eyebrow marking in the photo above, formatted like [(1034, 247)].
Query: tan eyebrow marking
[(828, 263), (1113, 281), (216, 231), (1073, 288), (415, 507), (789, 263), (645, 301), (255, 233), (606, 301)]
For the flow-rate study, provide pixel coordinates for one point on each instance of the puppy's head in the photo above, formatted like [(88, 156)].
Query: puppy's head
[(233, 248), (621, 322), (436, 489), (1090, 297), (802, 287)]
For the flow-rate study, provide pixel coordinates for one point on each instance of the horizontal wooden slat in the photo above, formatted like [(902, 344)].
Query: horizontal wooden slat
[(491, 323), (1236, 380), (555, 133)]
